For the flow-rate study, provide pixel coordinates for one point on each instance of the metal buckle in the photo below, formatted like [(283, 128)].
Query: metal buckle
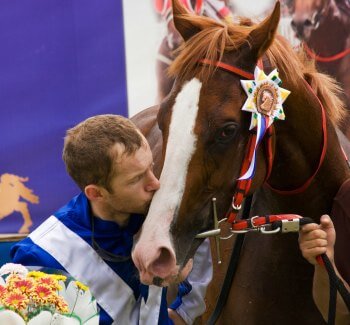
[(252, 222), (236, 207), (290, 225), (269, 232), (262, 228), (239, 232)]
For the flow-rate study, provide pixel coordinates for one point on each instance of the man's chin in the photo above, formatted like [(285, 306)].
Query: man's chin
[(142, 210), (145, 207)]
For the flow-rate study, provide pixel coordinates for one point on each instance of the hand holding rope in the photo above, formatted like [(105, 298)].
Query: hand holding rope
[(283, 223)]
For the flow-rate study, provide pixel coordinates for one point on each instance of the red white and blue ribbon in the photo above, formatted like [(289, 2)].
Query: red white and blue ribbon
[(261, 130), (264, 102)]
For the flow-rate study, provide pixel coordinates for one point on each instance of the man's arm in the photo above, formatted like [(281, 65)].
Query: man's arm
[(315, 240), (190, 303), (27, 253)]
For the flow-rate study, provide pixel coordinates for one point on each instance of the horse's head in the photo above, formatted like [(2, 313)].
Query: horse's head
[(205, 134), (307, 16), (173, 37)]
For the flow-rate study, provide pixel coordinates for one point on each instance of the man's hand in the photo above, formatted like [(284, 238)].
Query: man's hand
[(175, 317), (317, 239)]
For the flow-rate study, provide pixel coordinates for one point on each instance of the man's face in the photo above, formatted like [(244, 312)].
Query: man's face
[(134, 184)]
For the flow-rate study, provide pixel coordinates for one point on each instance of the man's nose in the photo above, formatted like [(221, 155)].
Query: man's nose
[(153, 184)]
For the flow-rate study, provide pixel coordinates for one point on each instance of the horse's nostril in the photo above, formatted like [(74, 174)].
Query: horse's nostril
[(307, 23), (294, 26), (163, 263), (157, 281)]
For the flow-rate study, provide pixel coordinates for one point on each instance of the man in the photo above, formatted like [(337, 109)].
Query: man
[(92, 236), (315, 240)]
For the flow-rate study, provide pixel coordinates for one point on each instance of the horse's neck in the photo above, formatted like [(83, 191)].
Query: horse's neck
[(297, 154)]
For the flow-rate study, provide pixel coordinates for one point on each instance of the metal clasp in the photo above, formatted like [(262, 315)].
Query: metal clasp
[(236, 207), (209, 233), (291, 225), (214, 232), (269, 232)]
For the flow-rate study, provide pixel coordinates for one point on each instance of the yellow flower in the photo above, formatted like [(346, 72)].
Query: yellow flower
[(81, 286), (36, 274), (11, 281), (29, 293), (61, 304), (59, 277), (49, 281), (24, 285), (2, 291), (16, 300), (41, 294)]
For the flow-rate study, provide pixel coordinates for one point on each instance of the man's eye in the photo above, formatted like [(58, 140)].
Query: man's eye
[(136, 179)]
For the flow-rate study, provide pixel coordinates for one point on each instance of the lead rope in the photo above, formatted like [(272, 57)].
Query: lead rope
[(292, 223), (276, 223), (335, 284)]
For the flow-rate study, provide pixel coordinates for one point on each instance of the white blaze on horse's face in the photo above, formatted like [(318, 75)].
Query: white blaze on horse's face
[(154, 255)]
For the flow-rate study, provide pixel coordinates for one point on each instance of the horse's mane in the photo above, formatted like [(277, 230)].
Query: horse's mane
[(214, 38)]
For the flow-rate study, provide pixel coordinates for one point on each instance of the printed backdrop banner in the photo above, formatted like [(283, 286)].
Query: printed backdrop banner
[(60, 62)]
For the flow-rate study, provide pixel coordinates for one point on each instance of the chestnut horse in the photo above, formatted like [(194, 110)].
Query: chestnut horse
[(199, 137), (323, 27)]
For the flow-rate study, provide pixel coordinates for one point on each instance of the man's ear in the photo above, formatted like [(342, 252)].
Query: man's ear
[(94, 192)]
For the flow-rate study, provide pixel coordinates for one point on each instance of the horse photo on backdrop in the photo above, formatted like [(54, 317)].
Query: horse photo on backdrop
[(323, 28), (201, 137), (216, 9), (12, 190)]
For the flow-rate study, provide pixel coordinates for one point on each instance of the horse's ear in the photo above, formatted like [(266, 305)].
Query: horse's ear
[(183, 25), (262, 36)]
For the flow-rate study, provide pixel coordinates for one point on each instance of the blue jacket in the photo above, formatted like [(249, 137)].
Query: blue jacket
[(76, 217)]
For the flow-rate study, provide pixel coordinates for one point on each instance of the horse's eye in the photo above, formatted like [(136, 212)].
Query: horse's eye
[(227, 133)]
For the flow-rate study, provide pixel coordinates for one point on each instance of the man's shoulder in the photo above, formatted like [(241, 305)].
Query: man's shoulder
[(26, 252), (24, 247), (75, 214), (77, 203)]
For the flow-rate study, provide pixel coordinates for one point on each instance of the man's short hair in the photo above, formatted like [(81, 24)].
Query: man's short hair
[(87, 151)]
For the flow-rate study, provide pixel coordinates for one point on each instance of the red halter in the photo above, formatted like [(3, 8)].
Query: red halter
[(243, 186), (331, 58)]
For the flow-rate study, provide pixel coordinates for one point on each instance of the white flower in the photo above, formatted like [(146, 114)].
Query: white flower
[(9, 317), (44, 317), (58, 319), (81, 302), (9, 268)]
